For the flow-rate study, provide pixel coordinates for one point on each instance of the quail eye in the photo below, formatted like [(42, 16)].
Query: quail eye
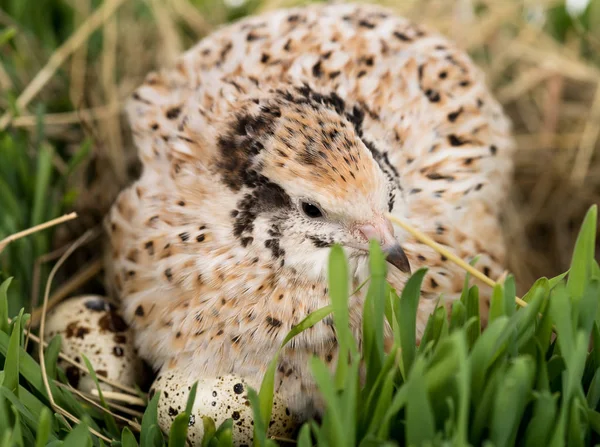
[(311, 210)]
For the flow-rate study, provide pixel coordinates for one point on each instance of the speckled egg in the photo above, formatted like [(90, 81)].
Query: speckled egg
[(90, 325), (220, 398)]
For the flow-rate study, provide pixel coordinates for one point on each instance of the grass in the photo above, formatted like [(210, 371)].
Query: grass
[(64, 146), (512, 383)]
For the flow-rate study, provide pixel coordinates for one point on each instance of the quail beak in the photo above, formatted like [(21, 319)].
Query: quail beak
[(383, 232)]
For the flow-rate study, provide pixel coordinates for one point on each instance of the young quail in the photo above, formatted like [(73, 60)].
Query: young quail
[(276, 137)]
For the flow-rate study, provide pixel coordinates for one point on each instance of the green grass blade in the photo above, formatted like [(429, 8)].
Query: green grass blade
[(583, 254), (593, 394), (7, 34), (474, 330), (525, 318), (552, 282), (226, 438), (51, 356), (178, 430), (6, 439), (575, 428), (555, 366), (224, 431), (383, 402), (78, 437), (44, 427), (594, 418), (510, 292), (439, 329), (560, 309), (189, 406), (338, 291), (336, 430), (595, 270), (11, 365), (349, 401), (391, 316), (267, 386), (496, 304), (319, 434), (373, 315), (4, 327), (484, 403), (304, 438), (510, 401), (128, 439), (261, 423), (30, 370), (483, 352), (5, 418), (406, 312), (571, 381), (25, 415), (375, 392), (420, 424), (541, 283), (79, 156), (42, 182), (149, 437), (209, 426), (588, 306), (17, 430), (108, 418), (543, 333), (544, 414), (428, 336), (463, 388), (458, 317)]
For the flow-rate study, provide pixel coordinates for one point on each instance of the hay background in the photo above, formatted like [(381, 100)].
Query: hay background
[(545, 73)]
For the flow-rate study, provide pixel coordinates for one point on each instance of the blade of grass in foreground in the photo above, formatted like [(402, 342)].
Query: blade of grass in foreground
[(44, 427), (260, 427), (336, 430), (374, 315), (482, 354), (4, 305), (406, 312), (178, 430), (268, 383), (51, 356), (544, 414), (225, 434), (11, 365), (510, 401), (78, 437), (265, 396), (420, 425), (128, 439), (24, 415), (339, 293), (583, 254), (108, 418), (150, 437)]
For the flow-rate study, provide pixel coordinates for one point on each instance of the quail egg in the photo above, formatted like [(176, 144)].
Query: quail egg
[(91, 325), (220, 398)]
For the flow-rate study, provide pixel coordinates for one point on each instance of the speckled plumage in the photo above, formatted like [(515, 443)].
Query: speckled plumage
[(345, 107)]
